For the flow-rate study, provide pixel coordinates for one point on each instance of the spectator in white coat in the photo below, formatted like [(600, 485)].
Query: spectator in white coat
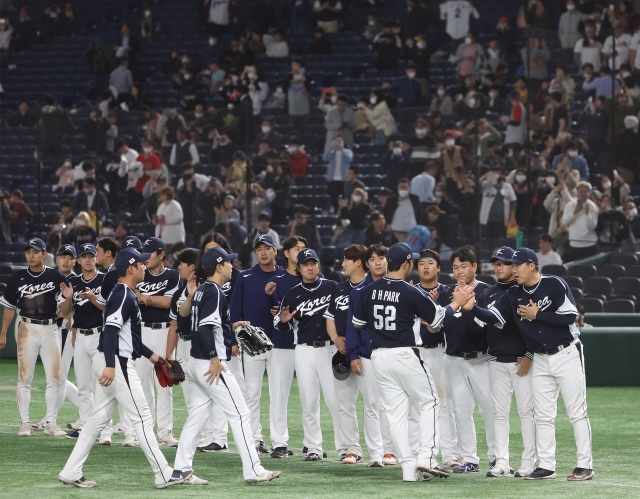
[(581, 216), (131, 169), (169, 219)]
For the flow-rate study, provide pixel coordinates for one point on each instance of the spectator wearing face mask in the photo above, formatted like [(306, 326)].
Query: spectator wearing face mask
[(581, 217), (81, 231), (423, 185), (269, 135), (131, 169), (406, 89), (298, 158), (298, 95), (626, 152), (442, 102), (402, 211), (613, 229), (469, 57), (618, 189), (338, 159), (417, 51), (340, 120), (516, 123), (578, 162), (423, 147), (518, 179), (356, 211), (396, 163), (150, 163), (452, 155), (92, 201), (477, 136), (498, 208), (65, 174)]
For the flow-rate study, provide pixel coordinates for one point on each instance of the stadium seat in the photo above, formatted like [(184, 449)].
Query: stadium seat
[(592, 305), (574, 281), (584, 271), (559, 270), (447, 279), (620, 306), (612, 271), (577, 293), (625, 259), (633, 271), (596, 287), (626, 286)]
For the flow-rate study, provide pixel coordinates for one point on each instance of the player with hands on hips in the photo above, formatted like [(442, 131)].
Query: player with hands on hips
[(544, 310), (210, 380), (508, 373), (118, 382)]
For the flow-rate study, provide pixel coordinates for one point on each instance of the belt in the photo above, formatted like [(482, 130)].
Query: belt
[(39, 322), (469, 355), (317, 344), (434, 346), (89, 332), (185, 337), (559, 348), (505, 359), (156, 325)]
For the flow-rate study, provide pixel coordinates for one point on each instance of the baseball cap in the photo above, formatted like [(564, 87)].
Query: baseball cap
[(215, 256), (127, 257), (400, 253), (36, 244), (340, 366), (504, 254), (131, 242), (87, 248), (524, 255), (306, 255), (154, 244), (67, 249), (265, 239)]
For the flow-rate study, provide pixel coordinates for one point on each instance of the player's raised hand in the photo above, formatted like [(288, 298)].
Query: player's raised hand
[(433, 294), (270, 288), (66, 290), (87, 294), (524, 364), (285, 315), (356, 367), (192, 285), (214, 371)]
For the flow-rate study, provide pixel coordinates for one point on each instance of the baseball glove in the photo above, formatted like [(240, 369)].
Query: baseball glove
[(169, 372), (253, 340)]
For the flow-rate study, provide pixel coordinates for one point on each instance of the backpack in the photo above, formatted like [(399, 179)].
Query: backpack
[(171, 126)]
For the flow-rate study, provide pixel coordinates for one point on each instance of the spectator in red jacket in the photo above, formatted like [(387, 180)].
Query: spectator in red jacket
[(150, 162), (20, 212), (298, 158)]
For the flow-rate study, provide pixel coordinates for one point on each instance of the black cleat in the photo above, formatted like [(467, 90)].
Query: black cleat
[(280, 452), (262, 448), (313, 457), (74, 434), (581, 474), (214, 447), (540, 474)]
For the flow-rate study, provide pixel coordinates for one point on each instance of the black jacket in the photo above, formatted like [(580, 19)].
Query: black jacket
[(392, 205)]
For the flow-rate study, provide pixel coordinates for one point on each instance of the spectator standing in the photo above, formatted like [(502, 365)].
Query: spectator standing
[(457, 14), (494, 61), (402, 211), (388, 46), (129, 46), (417, 51), (269, 135), (378, 233), (588, 49), (442, 102), (534, 58), (131, 168), (298, 158), (298, 95), (372, 28), (25, 30), (578, 162), (188, 199), (613, 227), (260, 200), (169, 219), (443, 235), (55, 124), (282, 189), (603, 85), (328, 99), (95, 132), (261, 17), (67, 212), (352, 183), (81, 231), (169, 123), (183, 151), (150, 163), (626, 152), (356, 210), (121, 79), (65, 174), (237, 173), (469, 57), (396, 163), (516, 123), (419, 18), (498, 208), (57, 235), (24, 118), (327, 13), (20, 211), (304, 227), (424, 184), (453, 156), (623, 42), (581, 217), (546, 255), (320, 44), (92, 201), (210, 199), (220, 15), (379, 117), (276, 45), (338, 159), (476, 138), (406, 89), (340, 120), (568, 29)]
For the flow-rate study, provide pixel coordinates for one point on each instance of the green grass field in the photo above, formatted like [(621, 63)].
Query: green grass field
[(31, 464)]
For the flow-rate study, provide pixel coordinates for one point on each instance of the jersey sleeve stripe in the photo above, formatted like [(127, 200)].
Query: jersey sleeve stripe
[(359, 322), (6, 304), (328, 315), (498, 315)]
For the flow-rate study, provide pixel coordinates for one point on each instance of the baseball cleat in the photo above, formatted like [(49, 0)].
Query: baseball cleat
[(39, 426), (194, 480), (280, 452), (522, 472), (25, 429), (497, 471), (81, 482), (53, 430), (177, 478), (104, 440), (203, 442), (214, 447), (265, 476), (376, 463), (289, 451), (581, 474), (466, 468), (74, 435), (352, 459), (118, 429), (540, 474), (389, 460), (130, 441), (492, 463), (436, 471), (312, 456), (420, 477), (73, 426), (168, 440), (262, 448), (305, 451), (343, 456), (451, 464)]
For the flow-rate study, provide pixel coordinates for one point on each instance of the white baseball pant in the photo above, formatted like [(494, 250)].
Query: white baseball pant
[(378, 442), (564, 373), (34, 339), (217, 429), (468, 382), (505, 382), (280, 366), (314, 372), (227, 395), (86, 348), (125, 391), (156, 340), (403, 378), (67, 388), (435, 359)]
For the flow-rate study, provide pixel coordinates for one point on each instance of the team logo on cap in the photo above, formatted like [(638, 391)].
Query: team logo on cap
[(499, 252), (84, 246), (307, 252), (148, 241), (68, 247), (129, 242), (33, 241), (261, 238)]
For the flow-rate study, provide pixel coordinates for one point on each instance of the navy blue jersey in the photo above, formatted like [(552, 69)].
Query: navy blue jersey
[(210, 323), (34, 295), (506, 341), (122, 332), (358, 340), (555, 322), (338, 309), (284, 282), (108, 282), (85, 314), (166, 283), (250, 303), (309, 300), (429, 339), (229, 286), (390, 310), (463, 332)]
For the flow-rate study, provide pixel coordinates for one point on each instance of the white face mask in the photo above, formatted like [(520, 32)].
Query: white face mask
[(625, 74), (292, 149), (184, 60), (357, 199), (297, 77), (441, 93), (67, 163), (450, 142), (438, 194), (147, 149), (633, 213), (571, 7), (80, 223), (373, 100), (573, 154), (421, 45), (411, 74), (265, 129), (403, 193), (251, 76), (198, 115), (230, 106), (372, 23), (397, 151), (472, 102), (212, 42), (234, 79), (187, 76), (333, 99), (108, 232), (493, 95), (521, 179), (606, 185), (279, 90), (468, 40), (421, 131), (551, 180)]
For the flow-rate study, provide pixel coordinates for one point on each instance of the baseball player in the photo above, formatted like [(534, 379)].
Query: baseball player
[(120, 345), (216, 240), (34, 292), (508, 373), (467, 366), (434, 356), (280, 285), (208, 376), (388, 308), (250, 303), (86, 328), (358, 348), (301, 312), (154, 296), (354, 267), (545, 312)]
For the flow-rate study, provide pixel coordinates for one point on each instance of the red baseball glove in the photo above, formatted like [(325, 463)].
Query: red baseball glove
[(169, 372)]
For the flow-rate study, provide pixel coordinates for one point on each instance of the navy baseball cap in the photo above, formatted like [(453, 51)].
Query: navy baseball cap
[(128, 257), (68, 249), (524, 255), (87, 248), (307, 254), (131, 242), (400, 253), (214, 257), (154, 244), (265, 239), (341, 366), (504, 254), (36, 244)]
